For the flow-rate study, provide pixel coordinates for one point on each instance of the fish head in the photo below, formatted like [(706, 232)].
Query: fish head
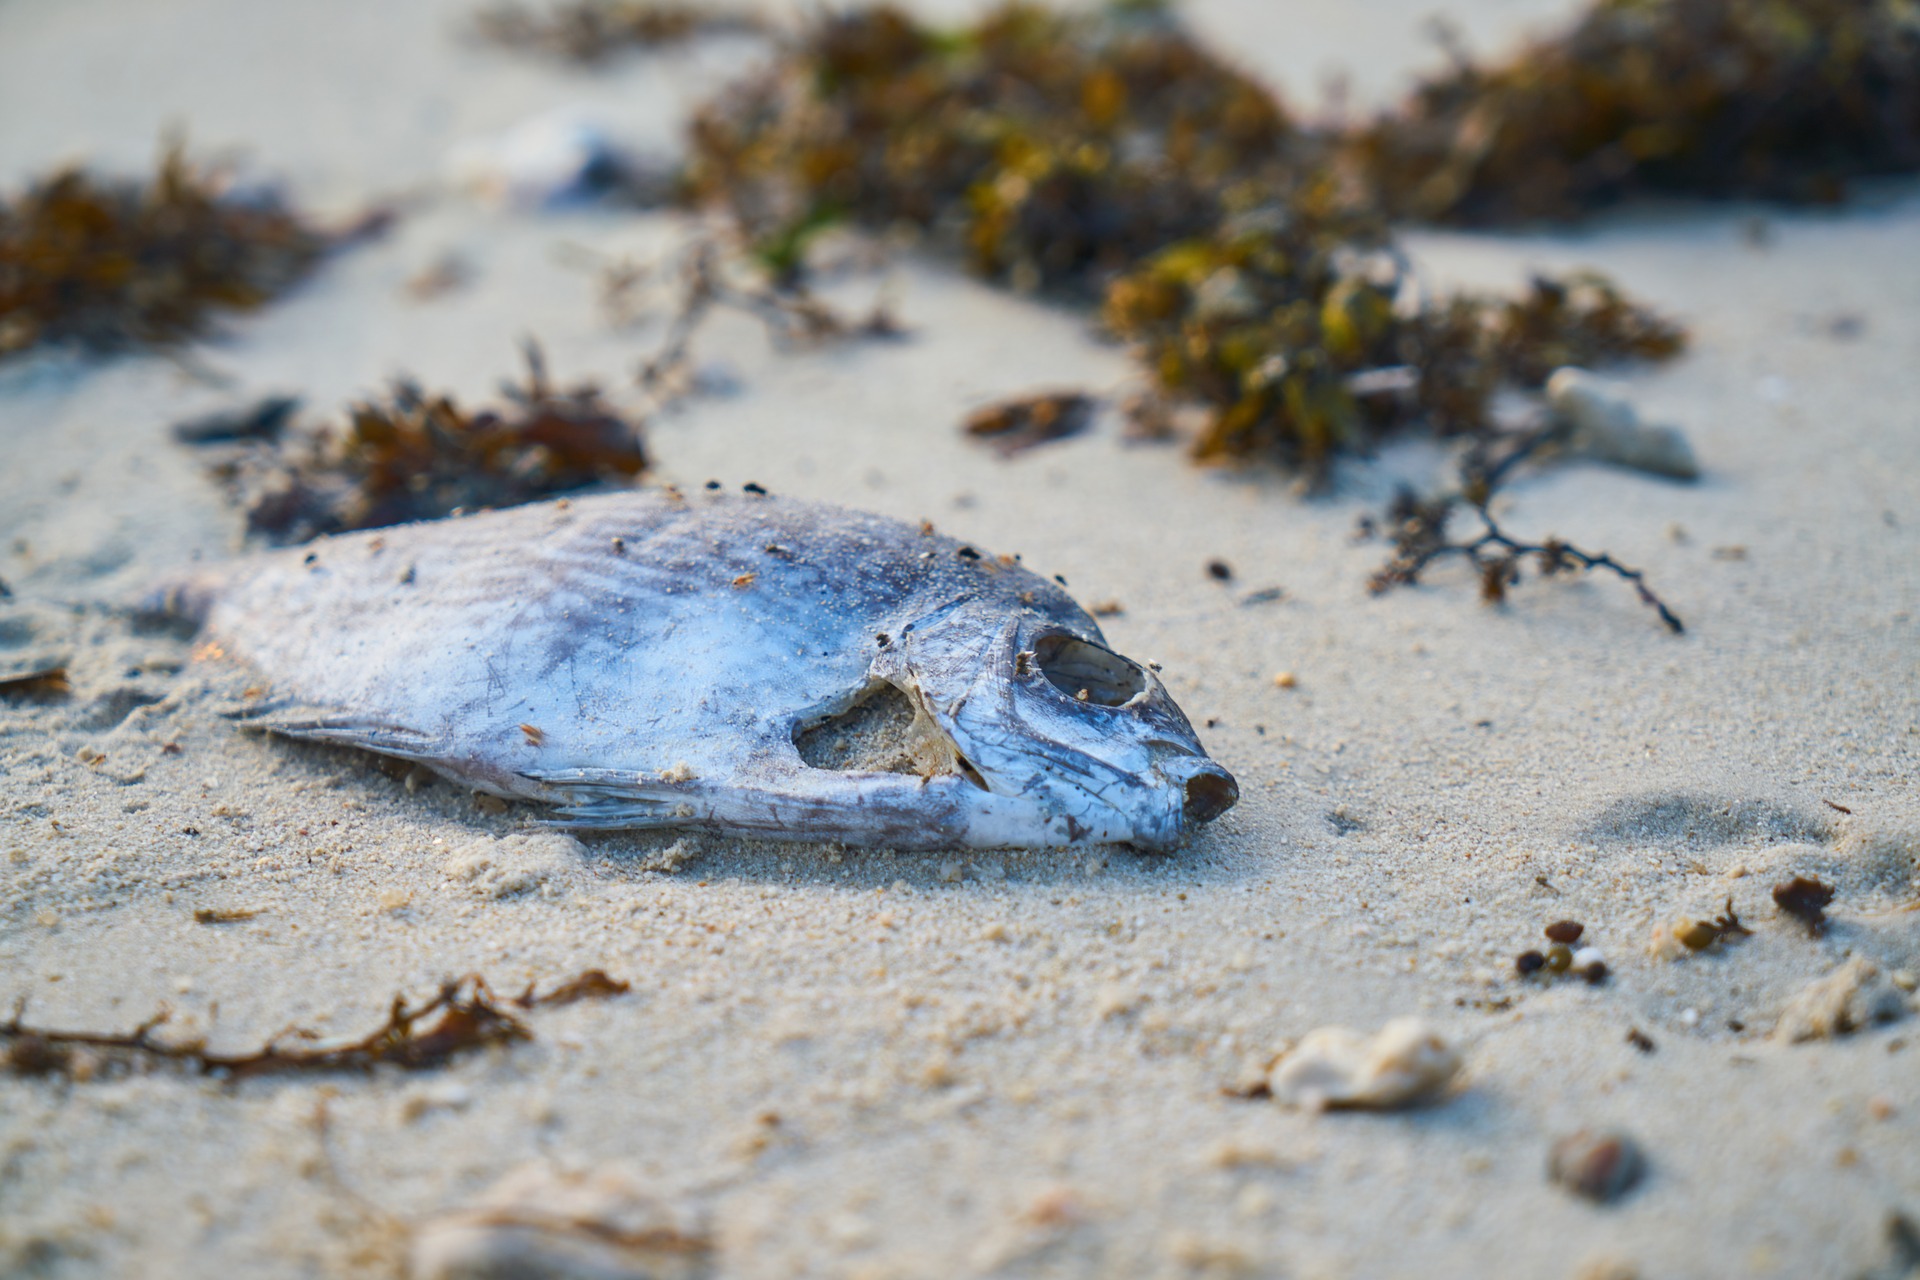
[(1040, 709)]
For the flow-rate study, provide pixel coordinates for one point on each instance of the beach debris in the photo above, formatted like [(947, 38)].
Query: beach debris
[(591, 31), (1022, 422), (1806, 900), (262, 419), (1640, 1040), (561, 156), (1047, 148), (1405, 1063), (541, 1221), (35, 681), (108, 265), (1600, 1165), (464, 1015), (1686, 97), (447, 273), (1605, 425), (1105, 154), (1851, 998), (963, 683), (224, 915), (1417, 528), (1331, 347), (417, 456), (1563, 956), (710, 279), (1685, 935)]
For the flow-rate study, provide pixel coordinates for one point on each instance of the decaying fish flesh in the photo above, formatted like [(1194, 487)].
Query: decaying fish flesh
[(739, 664)]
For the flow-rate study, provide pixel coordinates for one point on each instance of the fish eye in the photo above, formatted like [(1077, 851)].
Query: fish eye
[(1086, 672)]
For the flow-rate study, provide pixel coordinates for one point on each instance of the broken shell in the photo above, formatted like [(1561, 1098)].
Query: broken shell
[(541, 1223), (1604, 425), (1851, 998), (1405, 1062), (1601, 1165)]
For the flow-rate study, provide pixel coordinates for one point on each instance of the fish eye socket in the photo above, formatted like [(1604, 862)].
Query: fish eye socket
[(1088, 673)]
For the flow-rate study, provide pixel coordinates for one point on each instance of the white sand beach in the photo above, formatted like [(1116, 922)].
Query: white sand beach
[(864, 1064)]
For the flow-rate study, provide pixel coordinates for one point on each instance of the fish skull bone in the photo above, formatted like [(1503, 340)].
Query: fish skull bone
[(650, 660)]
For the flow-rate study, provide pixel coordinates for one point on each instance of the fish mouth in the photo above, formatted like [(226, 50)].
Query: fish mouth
[(1209, 792)]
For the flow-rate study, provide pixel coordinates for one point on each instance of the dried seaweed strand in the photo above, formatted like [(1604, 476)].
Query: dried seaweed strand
[(461, 1017), (1419, 531)]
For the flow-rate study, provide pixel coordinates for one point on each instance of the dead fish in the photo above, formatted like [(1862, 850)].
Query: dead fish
[(738, 664)]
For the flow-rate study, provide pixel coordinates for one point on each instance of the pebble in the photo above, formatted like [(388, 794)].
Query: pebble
[(1600, 1164)]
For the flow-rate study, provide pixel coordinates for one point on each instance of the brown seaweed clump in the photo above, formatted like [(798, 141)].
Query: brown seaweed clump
[(1105, 151), (1050, 149), (1783, 99), (415, 456), (1294, 331), (590, 31), (108, 265)]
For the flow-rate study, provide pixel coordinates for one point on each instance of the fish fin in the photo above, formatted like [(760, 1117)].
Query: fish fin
[(611, 799), (308, 725)]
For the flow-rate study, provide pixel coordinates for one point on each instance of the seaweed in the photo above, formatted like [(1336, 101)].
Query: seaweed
[(1106, 156), (463, 1016), (1782, 99), (1418, 529), (710, 279), (1303, 338), (415, 456), (590, 31), (1049, 149), (1023, 422), (108, 265), (1805, 899)]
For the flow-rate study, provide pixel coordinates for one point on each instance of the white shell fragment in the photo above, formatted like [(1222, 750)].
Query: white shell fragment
[(543, 1223), (1405, 1062), (544, 161), (1851, 998), (740, 665), (1603, 424)]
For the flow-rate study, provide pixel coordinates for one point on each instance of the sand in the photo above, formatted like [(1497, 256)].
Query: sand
[(846, 1063)]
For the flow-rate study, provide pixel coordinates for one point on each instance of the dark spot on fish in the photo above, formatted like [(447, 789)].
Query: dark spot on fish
[(1220, 571), (751, 487), (713, 484)]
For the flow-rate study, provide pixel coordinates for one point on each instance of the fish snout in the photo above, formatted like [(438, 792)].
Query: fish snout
[(1207, 790)]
